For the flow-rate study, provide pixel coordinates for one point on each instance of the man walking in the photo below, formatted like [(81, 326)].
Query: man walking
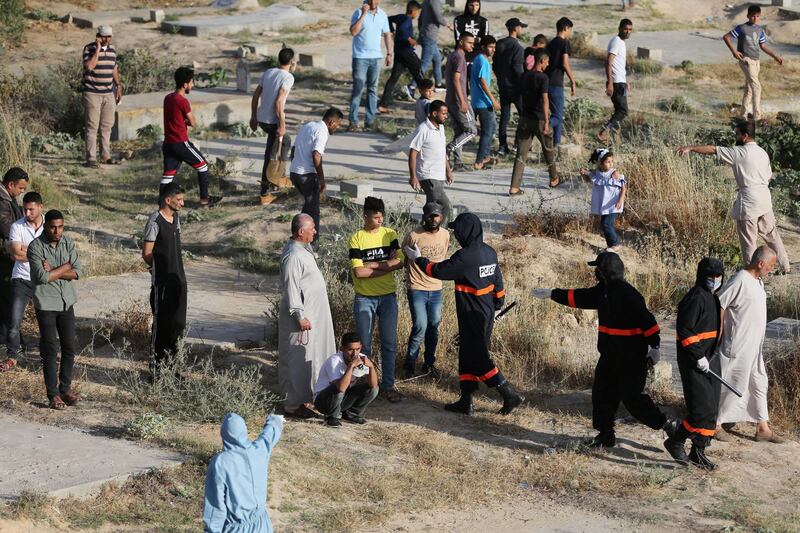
[(752, 208), (534, 121), (744, 323), (22, 233), (428, 166), (483, 101), (558, 49), (177, 148), (102, 91), (168, 291), (270, 114), (430, 18), (458, 107), (306, 171), (508, 66), (374, 255), (405, 58), (53, 259), (616, 80), (305, 326), (479, 296), (750, 40), (368, 25), (424, 292), (15, 181)]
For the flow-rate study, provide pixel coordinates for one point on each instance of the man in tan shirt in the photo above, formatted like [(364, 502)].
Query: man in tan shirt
[(424, 292), (752, 209)]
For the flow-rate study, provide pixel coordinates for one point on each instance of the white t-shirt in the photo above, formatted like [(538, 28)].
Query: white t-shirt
[(311, 137), (431, 144), (753, 172), (272, 81), (332, 369), (22, 233), (617, 47)]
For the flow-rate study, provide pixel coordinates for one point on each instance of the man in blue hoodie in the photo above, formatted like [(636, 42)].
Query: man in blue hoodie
[(236, 481)]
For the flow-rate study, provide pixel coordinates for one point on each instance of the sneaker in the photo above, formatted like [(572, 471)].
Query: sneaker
[(210, 202), (333, 422), (614, 249), (432, 371), (603, 440), (503, 150), (440, 88), (353, 419), (408, 90), (391, 395)]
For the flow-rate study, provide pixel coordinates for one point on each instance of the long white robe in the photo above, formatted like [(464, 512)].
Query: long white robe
[(744, 304), (302, 354)]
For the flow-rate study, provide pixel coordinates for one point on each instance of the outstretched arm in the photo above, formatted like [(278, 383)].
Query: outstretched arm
[(271, 434), (578, 298), (452, 268), (705, 149)]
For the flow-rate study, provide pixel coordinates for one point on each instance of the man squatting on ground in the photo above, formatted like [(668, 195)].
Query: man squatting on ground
[(479, 297), (698, 330), (15, 181), (168, 292), (428, 165), (626, 328), (53, 259)]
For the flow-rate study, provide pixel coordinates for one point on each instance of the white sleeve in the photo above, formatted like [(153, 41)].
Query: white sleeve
[(728, 293), (418, 140), (14, 233), (320, 141), (616, 46)]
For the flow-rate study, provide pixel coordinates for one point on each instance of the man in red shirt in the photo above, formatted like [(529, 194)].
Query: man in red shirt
[(177, 148)]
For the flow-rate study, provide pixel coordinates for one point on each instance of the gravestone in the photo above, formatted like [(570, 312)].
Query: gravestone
[(235, 4), (275, 17)]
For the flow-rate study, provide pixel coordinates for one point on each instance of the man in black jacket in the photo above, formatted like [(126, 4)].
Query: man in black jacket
[(626, 329), (698, 328), (508, 66), (15, 181), (479, 296)]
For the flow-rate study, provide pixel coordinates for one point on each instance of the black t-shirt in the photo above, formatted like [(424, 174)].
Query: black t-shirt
[(557, 48), (534, 85), (167, 266)]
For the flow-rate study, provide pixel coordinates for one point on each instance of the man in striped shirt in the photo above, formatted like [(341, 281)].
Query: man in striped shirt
[(102, 91)]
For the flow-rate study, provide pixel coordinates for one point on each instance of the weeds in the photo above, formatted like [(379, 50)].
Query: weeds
[(783, 370), (15, 144), (144, 72), (12, 23), (677, 104)]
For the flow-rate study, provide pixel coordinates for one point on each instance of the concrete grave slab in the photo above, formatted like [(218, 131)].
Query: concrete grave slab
[(218, 106), (235, 4), (783, 328), (93, 19), (276, 16), (312, 60), (506, 5), (81, 466)]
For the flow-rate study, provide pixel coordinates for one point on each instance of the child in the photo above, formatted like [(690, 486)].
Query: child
[(540, 41), (404, 55), (608, 194), (426, 89)]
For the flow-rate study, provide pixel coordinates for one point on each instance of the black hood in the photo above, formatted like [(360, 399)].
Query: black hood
[(467, 229), (610, 266), (468, 14), (709, 267)]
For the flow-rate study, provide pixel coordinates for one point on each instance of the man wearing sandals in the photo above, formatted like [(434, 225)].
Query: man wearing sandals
[(102, 91), (53, 259), (15, 181)]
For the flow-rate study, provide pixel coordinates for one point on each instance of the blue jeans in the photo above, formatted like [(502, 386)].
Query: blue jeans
[(365, 74), (430, 53), (609, 232), (556, 94), (365, 310), (488, 128), (426, 314), (21, 294)]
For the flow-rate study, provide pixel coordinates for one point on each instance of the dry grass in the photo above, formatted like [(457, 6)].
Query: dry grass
[(784, 387), (15, 144), (129, 323)]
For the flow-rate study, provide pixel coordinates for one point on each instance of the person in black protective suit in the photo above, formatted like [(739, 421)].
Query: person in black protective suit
[(626, 329), (479, 296), (698, 328)]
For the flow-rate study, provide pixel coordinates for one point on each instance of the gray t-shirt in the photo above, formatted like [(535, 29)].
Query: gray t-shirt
[(749, 38), (272, 81), (457, 62), (421, 110)]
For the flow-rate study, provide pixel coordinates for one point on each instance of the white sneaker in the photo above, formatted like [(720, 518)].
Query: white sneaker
[(440, 89), (409, 91), (614, 249)]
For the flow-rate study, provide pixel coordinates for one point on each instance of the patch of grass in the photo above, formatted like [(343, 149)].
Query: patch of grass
[(784, 387), (30, 504), (258, 262), (12, 23), (677, 104), (646, 67), (15, 144), (130, 323)]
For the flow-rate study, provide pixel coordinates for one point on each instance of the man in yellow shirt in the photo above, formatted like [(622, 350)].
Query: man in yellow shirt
[(374, 255)]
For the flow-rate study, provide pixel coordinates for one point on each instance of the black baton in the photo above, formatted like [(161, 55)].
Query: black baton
[(727, 385)]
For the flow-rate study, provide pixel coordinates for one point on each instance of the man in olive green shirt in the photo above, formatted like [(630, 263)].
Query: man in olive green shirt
[(54, 263)]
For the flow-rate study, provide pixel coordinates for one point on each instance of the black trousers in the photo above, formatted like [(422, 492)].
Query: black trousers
[(507, 98), (619, 99), (332, 403), (619, 378), (168, 303), (272, 135), (57, 328), (406, 60), (5, 298), (308, 186), (475, 364), (701, 393)]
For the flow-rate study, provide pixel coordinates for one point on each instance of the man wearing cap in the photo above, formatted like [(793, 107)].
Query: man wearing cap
[(508, 66), (102, 91), (424, 292), (626, 329), (428, 166)]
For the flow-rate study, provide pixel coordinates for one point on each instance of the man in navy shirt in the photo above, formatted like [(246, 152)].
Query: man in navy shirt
[(404, 55)]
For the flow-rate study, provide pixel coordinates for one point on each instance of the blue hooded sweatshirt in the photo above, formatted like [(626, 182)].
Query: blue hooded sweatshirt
[(236, 481)]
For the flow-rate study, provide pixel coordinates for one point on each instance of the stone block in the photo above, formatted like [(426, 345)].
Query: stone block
[(248, 76), (783, 328), (356, 189), (157, 15), (653, 54), (257, 49), (570, 150), (783, 3), (312, 60), (234, 4), (242, 52), (275, 17), (457, 209)]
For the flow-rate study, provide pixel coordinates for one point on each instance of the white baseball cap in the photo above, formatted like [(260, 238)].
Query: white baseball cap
[(104, 31)]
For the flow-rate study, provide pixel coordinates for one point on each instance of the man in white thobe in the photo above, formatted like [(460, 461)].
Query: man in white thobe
[(744, 315), (305, 327)]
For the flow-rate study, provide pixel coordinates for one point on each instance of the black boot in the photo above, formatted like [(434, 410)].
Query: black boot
[(463, 405), (674, 446), (511, 398), (604, 439), (671, 427), (698, 458)]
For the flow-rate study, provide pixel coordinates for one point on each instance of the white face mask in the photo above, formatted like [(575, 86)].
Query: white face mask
[(713, 284)]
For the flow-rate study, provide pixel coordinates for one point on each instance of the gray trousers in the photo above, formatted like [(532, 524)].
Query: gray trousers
[(332, 403), (464, 129), (434, 192)]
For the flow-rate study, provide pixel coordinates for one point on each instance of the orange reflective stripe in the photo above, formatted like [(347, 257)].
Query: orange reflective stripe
[(429, 268), (571, 298), (499, 294), (699, 431), (697, 338), (619, 332), (472, 377), (473, 290), (652, 331)]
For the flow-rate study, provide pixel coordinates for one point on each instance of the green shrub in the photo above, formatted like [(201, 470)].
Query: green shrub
[(15, 143), (12, 23), (580, 113), (149, 133), (41, 14), (143, 72), (677, 104), (146, 426), (647, 67)]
